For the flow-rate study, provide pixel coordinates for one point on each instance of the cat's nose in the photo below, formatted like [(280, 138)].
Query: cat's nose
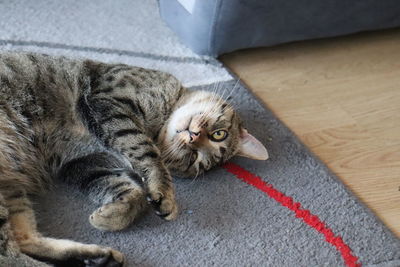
[(194, 136)]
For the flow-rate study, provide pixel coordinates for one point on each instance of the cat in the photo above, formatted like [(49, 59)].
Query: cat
[(115, 132)]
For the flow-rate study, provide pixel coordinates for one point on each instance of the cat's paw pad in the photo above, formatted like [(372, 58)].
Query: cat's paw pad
[(91, 256), (164, 205), (113, 216)]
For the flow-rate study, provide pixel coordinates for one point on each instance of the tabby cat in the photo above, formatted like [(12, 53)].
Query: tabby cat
[(113, 131)]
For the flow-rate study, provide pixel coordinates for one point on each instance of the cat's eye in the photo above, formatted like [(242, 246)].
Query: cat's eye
[(219, 135)]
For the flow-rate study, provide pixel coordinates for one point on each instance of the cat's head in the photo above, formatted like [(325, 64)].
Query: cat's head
[(202, 132)]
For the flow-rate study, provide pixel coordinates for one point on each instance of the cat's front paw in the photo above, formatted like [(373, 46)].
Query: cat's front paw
[(164, 203)]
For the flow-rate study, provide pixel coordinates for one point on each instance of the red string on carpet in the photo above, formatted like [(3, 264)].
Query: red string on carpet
[(309, 218)]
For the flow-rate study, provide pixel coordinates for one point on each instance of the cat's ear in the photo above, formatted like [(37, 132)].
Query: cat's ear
[(250, 147)]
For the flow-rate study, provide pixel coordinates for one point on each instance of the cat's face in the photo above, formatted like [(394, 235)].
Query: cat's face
[(202, 132)]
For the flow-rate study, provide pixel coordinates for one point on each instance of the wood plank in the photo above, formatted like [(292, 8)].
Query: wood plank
[(341, 96)]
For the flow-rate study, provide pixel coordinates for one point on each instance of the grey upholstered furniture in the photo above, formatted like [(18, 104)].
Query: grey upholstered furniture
[(213, 27)]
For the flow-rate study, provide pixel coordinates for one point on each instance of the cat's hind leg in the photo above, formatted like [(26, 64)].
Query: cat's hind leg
[(10, 255), (60, 252)]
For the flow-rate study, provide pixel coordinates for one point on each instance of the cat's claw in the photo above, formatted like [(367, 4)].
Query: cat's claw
[(153, 202), (94, 256), (164, 206), (107, 261)]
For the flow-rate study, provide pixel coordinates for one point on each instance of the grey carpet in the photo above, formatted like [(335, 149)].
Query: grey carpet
[(222, 221)]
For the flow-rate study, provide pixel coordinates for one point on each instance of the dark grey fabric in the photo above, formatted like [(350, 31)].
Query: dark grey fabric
[(217, 27)]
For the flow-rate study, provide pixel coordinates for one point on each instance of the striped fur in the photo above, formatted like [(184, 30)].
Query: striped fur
[(112, 131)]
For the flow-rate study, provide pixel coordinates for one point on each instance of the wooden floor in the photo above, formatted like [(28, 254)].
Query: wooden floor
[(341, 96)]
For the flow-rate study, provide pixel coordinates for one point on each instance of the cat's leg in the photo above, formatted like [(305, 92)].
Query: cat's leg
[(109, 180), (8, 247), (10, 254), (57, 251), (122, 131), (131, 141)]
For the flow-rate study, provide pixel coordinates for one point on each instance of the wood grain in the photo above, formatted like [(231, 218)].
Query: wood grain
[(341, 97)]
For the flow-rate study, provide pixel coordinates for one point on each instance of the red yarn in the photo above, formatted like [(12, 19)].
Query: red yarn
[(309, 218)]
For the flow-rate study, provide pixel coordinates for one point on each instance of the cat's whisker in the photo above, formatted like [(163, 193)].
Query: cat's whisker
[(190, 156), (168, 158), (226, 98), (221, 92), (195, 177), (193, 180), (217, 104), (167, 152), (231, 92), (215, 88), (171, 151), (216, 100), (227, 107), (226, 94), (213, 97), (204, 104)]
